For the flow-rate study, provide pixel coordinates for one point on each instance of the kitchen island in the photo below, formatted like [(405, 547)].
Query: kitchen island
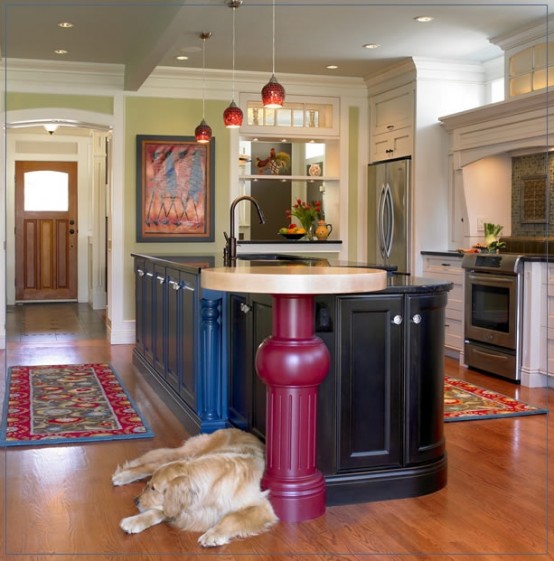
[(380, 420)]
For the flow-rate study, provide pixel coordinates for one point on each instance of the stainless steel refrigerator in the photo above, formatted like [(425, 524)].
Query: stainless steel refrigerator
[(388, 217)]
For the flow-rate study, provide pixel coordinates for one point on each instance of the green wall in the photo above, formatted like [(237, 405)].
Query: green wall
[(99, 104)]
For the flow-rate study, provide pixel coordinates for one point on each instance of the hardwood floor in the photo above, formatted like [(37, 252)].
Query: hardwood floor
[(58, 504)]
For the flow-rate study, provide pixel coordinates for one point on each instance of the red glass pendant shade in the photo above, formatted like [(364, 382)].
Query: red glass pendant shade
[(203, 132), (232, 116), (273, 94)]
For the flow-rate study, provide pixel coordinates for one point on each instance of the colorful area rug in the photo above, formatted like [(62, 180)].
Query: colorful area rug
[(68, 403), (465, 402)]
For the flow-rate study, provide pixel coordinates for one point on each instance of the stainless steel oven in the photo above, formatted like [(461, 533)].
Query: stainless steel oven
[(493, 313)]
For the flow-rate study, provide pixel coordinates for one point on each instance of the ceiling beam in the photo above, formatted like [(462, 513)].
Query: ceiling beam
[(164, 33)]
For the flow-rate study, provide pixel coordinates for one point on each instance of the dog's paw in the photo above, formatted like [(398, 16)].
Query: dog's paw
[(120, 477), (133, 525), (212, 539)]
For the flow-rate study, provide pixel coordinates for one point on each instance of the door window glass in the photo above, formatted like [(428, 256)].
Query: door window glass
[(46, 191)]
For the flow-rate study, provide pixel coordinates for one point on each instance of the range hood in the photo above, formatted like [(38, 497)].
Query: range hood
[(510, 127)]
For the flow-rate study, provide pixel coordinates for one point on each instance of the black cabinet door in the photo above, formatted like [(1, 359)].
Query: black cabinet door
[(140, 272), (240, 363), (159, 307), (369, 355), (181, 318), (148, 316), (424, 351), (250, 324), (261, 326)]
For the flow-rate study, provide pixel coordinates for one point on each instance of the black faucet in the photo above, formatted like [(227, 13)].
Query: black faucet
[(230, 251)]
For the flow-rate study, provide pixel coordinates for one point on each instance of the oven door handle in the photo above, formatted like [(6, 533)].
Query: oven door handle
[(486, 278), (496, 356)]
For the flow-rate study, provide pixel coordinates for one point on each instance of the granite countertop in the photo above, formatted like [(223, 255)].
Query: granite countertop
[(396, 282), (531, 257)]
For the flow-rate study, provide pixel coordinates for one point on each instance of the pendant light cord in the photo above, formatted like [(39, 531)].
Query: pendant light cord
[(273, 17), (233, 74), (203, 76)]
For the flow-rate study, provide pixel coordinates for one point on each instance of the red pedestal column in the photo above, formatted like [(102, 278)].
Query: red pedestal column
[(293, 362)]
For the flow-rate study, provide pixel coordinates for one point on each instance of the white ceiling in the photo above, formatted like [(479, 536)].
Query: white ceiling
[(141, 35)]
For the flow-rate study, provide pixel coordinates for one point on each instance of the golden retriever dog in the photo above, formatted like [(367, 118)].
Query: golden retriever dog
[(210, 484)]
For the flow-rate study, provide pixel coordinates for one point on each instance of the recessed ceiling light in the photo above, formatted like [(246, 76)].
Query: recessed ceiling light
[(61, 51), (182, 57), (65, 24), (371, 46), (331, 67), (424, 19)]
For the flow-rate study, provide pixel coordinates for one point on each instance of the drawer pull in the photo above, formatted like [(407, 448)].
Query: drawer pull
[(140, 272), (174, 285), (161, 280), (149, 274), (188, 286)]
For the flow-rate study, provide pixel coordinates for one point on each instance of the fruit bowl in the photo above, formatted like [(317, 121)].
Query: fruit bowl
[(292, 236)]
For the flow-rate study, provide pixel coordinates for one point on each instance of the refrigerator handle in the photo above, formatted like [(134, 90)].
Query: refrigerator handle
[(386, 221)]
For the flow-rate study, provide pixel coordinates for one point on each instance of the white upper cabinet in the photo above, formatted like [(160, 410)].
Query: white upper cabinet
[(392, 123)]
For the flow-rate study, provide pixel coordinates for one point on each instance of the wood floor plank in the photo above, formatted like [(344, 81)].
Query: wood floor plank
[(57, 503)]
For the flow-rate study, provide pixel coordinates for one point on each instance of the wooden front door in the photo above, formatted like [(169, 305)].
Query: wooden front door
[(45, 231)]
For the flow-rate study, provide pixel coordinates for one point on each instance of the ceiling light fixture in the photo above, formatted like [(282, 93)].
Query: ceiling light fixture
[(65, 24), (371, 46), (203, 132), (232, 116), (273, 94), (424, 19), (50, 128), (182, 57), (60, 52), (331, 67)]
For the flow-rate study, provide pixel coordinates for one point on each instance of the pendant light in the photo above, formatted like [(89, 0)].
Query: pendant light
[(203, 132), (273, 94), (232, 116)]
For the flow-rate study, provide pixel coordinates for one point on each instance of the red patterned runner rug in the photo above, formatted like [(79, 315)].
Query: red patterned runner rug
[(464, 402), (60, 404)]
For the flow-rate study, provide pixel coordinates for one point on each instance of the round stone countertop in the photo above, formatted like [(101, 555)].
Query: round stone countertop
[(293, 279)]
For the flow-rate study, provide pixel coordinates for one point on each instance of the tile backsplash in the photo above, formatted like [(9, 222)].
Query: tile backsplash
[(532, 191)]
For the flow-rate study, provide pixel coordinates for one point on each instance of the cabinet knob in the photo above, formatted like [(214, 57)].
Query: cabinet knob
[(397, 320), (416, 319), (140, 272), (245, 308), (390, 127)]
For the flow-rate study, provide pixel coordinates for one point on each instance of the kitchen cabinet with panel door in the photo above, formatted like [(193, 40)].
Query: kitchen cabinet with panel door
[(448, 267), (380, 408)]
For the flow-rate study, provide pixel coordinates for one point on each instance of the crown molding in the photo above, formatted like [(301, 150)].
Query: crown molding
[(62, 77), (533, 33), (105, 79)]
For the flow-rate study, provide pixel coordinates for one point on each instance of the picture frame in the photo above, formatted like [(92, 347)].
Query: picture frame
[(175, 189)]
